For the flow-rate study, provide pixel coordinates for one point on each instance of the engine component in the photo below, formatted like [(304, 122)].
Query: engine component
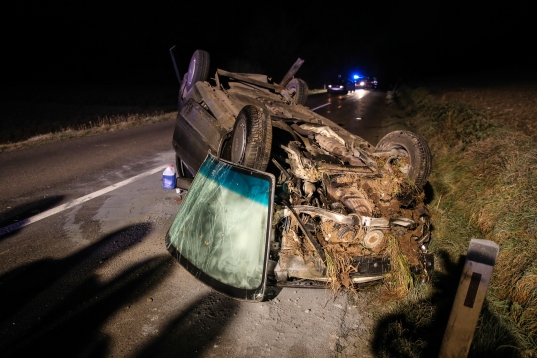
[(353, 198), (373, 239)]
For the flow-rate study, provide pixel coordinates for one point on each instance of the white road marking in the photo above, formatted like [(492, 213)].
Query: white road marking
[(316, 108), (72, 203)]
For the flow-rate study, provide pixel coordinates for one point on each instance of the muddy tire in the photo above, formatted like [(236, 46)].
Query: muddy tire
[(198, 69), (252, 138), (415, 147), (300, 91)]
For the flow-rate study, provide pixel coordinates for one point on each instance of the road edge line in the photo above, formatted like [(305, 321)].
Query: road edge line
[(45, 214)]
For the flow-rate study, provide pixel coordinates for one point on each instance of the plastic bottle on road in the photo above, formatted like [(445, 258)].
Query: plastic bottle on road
[(168, 178)]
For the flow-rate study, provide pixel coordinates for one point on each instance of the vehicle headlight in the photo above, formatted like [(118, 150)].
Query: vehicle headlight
[(362, 83), (340, 86), (329, 86)]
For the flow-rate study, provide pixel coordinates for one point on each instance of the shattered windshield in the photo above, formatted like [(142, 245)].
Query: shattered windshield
[(222, 226)]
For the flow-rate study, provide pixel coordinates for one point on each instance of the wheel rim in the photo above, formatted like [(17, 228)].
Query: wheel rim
[(239, 141)]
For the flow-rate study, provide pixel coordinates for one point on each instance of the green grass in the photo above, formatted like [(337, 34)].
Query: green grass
[(484, 185)]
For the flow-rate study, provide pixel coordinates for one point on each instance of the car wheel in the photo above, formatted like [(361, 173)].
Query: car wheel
[(300, 90), (252, 138), (198, 69), (415, 147)]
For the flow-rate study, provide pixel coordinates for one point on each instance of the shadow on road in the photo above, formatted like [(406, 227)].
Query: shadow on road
[(194, 331), (58, 307), (12, 220), (416, 328), (25, 283)]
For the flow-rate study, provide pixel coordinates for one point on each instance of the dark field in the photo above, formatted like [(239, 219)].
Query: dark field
[(30, 111)]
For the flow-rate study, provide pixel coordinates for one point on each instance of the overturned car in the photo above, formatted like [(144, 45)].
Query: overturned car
[(281, 196)]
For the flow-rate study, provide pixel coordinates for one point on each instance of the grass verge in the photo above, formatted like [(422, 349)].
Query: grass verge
[(484, 185)]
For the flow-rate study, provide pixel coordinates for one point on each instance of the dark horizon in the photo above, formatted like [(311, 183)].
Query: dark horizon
[(128, 43)]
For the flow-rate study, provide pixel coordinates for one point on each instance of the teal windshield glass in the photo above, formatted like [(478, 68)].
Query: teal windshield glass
[(221, 227)]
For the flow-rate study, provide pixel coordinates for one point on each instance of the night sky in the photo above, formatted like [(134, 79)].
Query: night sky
[(127, 42)]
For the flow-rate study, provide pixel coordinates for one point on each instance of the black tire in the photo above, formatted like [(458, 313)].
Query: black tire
[(198, 69), (416, 149), (299, 90), (252, 138)]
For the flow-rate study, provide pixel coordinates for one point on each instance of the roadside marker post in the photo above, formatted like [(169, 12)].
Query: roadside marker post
[(475, 278)]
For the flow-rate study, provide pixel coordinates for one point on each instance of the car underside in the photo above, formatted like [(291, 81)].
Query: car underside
[(342, 213)]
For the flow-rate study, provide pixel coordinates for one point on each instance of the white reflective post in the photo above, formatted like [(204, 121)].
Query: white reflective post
[(475, 278)]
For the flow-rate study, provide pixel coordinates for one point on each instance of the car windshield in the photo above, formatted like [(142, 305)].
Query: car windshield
[(221, 229)]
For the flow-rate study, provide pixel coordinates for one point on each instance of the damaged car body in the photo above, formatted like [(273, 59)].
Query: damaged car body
[(281, 196)]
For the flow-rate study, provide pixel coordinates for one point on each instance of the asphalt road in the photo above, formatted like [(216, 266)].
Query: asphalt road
[(93, 278)]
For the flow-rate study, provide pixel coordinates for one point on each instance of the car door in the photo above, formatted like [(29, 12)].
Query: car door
[(221, 233)]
